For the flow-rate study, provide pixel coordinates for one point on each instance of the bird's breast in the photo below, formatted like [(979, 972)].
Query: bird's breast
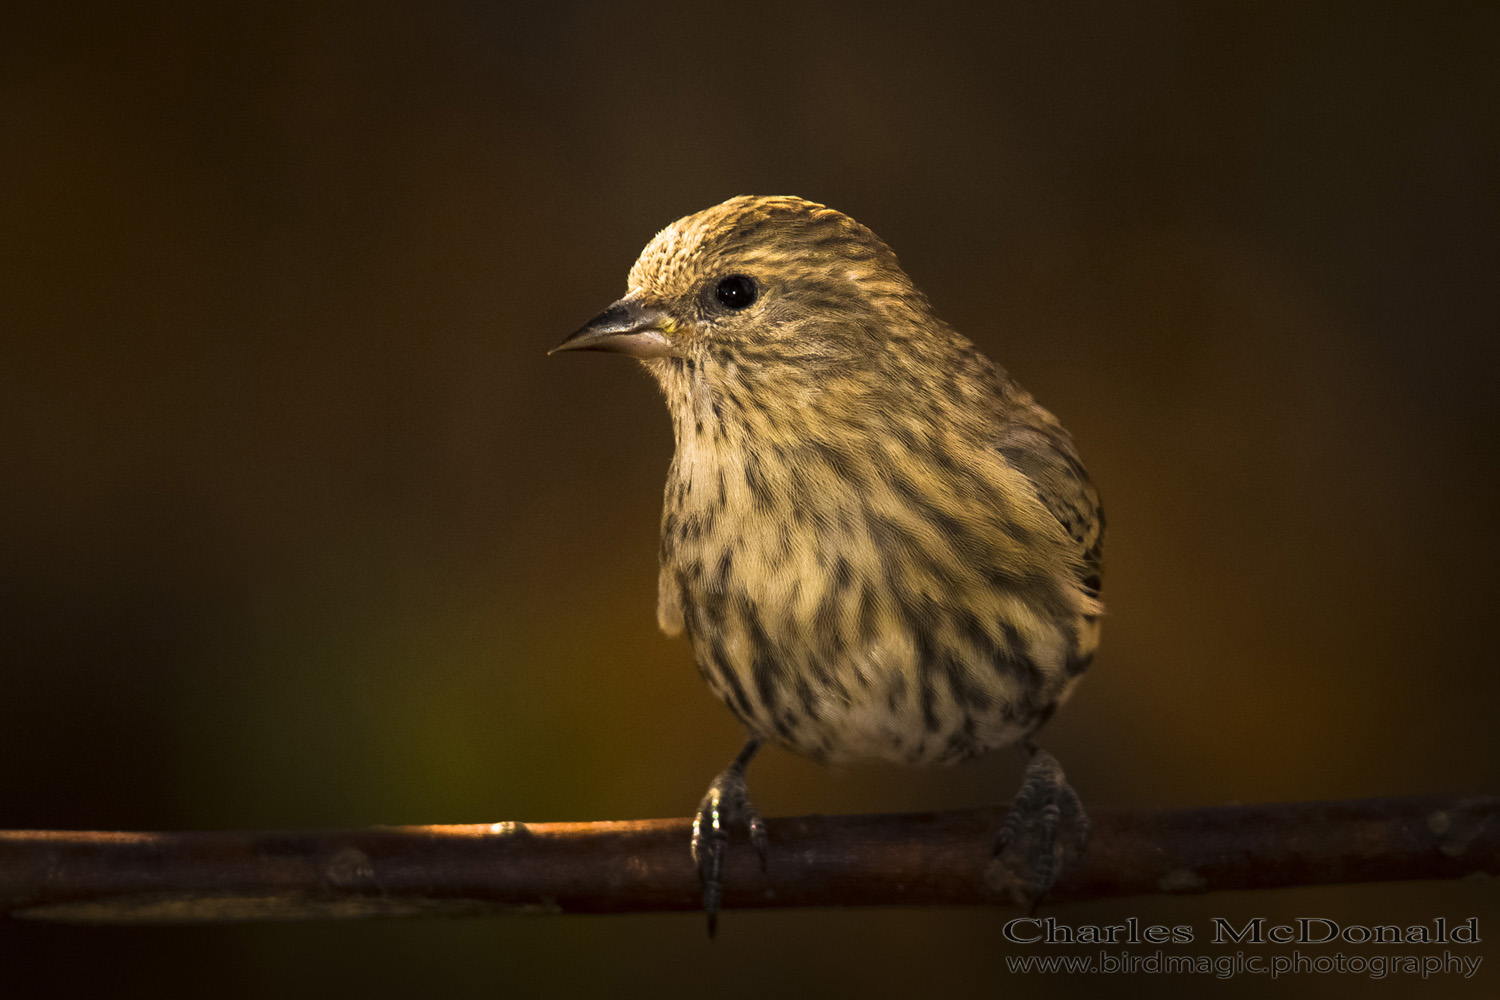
[(837, 613)]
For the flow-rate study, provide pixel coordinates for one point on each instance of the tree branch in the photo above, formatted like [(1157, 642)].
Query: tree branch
[(924, 859)]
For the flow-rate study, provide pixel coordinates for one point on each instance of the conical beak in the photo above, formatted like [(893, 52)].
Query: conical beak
[(627, 327)]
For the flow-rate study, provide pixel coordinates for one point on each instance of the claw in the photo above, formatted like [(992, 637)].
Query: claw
[(758, 835), (1045, 828), (726, 804)]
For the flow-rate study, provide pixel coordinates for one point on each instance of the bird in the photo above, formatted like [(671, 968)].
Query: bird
[(878, 544)]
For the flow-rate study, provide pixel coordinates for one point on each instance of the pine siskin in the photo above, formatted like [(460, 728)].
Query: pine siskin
[(879, 545)]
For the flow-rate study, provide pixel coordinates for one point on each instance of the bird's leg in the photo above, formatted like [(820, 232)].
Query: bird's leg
[(1045, 827), (726, 804)]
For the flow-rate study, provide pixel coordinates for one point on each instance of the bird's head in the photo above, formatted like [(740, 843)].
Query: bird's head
[(757, 281)]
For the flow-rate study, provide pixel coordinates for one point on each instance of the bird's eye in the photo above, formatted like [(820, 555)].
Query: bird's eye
[(736, 292)]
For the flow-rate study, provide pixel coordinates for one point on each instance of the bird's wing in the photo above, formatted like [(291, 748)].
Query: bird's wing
[(668, 604), (1045, 456)]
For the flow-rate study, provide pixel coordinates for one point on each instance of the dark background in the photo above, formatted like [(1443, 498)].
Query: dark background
[(300, 527)]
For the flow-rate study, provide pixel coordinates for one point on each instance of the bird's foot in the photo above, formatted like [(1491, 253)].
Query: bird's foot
[(1045, 829), (725, 806)]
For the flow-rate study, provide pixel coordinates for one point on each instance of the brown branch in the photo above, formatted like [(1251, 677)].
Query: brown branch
[(632, 866)]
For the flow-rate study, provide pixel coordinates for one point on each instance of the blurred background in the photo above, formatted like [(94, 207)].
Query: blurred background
[(300, 527)]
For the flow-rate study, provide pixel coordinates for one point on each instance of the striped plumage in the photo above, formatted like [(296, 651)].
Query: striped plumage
[(879, 545)]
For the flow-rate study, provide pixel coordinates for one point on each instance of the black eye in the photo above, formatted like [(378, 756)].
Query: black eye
[(736, 291)]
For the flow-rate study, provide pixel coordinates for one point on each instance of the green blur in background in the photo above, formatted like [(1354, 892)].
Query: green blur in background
[(300, 527)]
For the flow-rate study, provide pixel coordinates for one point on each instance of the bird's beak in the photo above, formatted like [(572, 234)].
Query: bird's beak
[(627, 327)]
